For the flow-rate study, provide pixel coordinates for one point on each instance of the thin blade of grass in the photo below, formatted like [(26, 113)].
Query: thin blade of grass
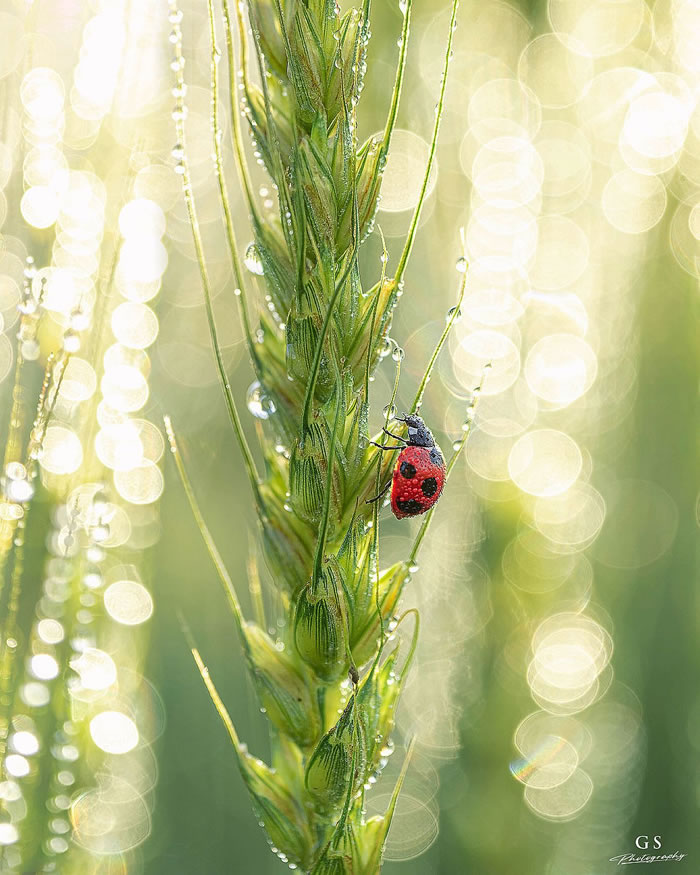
[(206, 286), (454, 316), (242, 294), (410, 239), (467, 429), (209, 543)]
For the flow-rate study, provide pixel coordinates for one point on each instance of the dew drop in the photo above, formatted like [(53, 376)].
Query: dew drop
[(454, 314), (30, 350), (259, 402), (252, 260), (462, 264)]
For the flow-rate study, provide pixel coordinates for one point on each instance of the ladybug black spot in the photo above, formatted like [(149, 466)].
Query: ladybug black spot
[(407, 470), (410, 506), (429, 487)]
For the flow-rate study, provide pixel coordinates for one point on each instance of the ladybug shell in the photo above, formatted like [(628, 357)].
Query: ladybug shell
[(419, 475)]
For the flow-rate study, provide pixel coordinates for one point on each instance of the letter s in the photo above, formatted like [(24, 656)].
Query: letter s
[(657, 842)]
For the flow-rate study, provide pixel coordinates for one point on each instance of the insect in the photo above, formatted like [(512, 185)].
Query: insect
[(419, 472)]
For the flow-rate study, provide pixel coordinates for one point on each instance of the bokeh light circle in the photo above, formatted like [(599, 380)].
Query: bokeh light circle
[(114, 732), (545, 54), (560, 368), (61, 450), (128, 602), (403, 175), (563, 802), (545, 462), (596, 28), (142, 484), (134, 325)]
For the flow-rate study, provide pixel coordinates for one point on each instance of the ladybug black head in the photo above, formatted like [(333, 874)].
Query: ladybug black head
[(419, 434)]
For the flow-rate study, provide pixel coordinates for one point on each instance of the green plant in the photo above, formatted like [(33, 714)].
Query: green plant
[(330, 684)]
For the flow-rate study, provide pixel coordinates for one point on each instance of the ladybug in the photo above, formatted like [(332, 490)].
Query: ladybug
[(419, 472)]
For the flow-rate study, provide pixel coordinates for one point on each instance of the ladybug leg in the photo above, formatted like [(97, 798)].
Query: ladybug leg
[(385, 447), (381, 494), (395, 436)]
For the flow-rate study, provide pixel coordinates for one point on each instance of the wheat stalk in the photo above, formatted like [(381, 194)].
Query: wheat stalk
[(319, 340)]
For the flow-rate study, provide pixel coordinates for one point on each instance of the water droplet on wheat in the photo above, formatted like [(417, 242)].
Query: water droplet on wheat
[(388, 749), (386, 347), (260, 404), (252, 260)]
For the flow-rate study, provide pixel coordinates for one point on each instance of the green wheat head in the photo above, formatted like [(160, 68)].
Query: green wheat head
[(314, 344)]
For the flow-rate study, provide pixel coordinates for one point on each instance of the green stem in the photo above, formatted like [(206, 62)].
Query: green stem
[(398, 81), (454, 316), (237, 134), (204, 274), (408, 246), (414, 640), (205, 533), (469, 422), (217, 700), (223, 192)]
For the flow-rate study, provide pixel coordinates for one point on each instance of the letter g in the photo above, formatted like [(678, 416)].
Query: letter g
[(642, 842)]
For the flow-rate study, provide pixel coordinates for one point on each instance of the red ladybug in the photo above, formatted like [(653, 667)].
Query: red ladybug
[(419, 472)]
